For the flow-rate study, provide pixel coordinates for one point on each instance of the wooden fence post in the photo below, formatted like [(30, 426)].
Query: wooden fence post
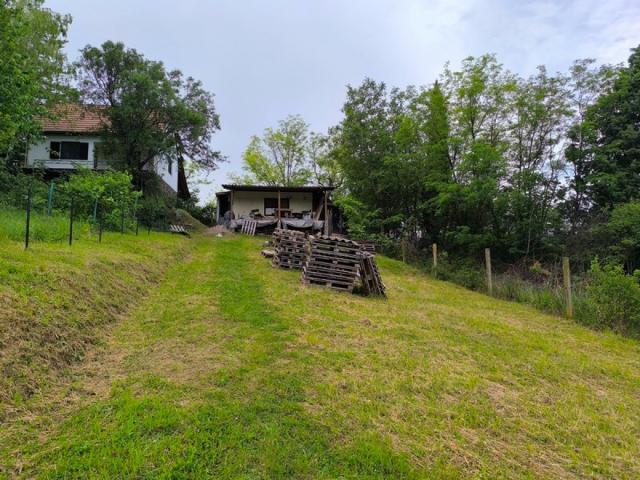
[(487, 261), (434, 252), (566, 277)]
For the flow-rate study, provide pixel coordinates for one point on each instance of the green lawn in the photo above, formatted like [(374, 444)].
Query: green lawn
[(232, 369)]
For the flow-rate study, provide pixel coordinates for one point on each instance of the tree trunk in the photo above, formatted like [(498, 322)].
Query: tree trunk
[(183, 186)]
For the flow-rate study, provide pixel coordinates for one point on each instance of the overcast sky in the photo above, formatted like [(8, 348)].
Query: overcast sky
[(265, 59)]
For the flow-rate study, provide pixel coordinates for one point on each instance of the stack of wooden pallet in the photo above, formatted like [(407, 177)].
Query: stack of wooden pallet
[(289, 249), (367, 246), (333, 262), (370, 275)]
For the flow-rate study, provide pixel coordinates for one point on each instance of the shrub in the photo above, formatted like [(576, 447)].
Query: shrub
[(463, 272), (153, 213), (205, 214), (622, 234), (612, 299), (109, 192)]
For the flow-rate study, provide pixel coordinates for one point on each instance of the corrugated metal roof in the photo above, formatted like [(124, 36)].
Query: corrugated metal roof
[(76, 118), (275, 188)]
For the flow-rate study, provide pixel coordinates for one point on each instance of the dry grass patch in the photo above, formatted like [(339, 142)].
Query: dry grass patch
[(54, 297)]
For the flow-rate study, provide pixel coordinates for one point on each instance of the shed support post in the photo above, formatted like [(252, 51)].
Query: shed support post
[(326, 215)]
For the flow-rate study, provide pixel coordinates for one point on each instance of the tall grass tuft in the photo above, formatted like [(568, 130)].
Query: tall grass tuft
[(605, 297), (54, 228)]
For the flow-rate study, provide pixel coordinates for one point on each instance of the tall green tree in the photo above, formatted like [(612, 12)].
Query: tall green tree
[(480, 97), (372, 170), (614, 170), (140, 97), (535, 160), (586, 82), (196, 122), (323, 152), (437, 177), (279, 157), (32, 70), (152, 114)]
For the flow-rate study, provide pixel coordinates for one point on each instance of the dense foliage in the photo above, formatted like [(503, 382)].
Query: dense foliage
[(533, 167), (152, 113), (32, 68), (291, 155)]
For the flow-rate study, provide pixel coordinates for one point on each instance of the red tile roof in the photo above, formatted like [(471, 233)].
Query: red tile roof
[(75, 118)]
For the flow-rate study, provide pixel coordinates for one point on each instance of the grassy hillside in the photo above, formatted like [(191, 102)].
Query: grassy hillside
[(53, 296), (232, 369)]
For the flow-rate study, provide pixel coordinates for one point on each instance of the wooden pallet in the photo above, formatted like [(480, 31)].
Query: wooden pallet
[(289, 249), (333, 262), (367, 246), (249, 227), (370, 275), (179, 229)]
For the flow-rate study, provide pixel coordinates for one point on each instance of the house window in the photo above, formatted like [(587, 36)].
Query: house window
[(68, 151), (271, 205)]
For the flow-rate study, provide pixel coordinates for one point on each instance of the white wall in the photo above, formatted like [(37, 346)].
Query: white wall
[(244, 202), (169, 175), (38, 154)]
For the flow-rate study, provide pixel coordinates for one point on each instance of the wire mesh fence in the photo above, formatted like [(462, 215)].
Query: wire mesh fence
[(53, 212)]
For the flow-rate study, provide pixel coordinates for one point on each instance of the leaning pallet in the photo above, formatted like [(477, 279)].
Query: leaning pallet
[(249, 226), (370, 275), (333, 262), (289, 249), (367, 246), (179, 229)]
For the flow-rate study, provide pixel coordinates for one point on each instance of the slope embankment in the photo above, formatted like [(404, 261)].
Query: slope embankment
[(53, 298)]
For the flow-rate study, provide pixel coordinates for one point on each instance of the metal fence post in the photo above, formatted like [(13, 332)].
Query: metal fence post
[(28, 225), (135, 215), (101, 224), (71, 222), (50, 198), (95, 211), (122, 217)]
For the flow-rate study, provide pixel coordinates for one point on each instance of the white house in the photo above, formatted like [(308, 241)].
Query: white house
[(73, 140)]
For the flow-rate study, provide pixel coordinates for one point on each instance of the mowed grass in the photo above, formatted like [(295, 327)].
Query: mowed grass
[(55, 297), (232, 369)]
